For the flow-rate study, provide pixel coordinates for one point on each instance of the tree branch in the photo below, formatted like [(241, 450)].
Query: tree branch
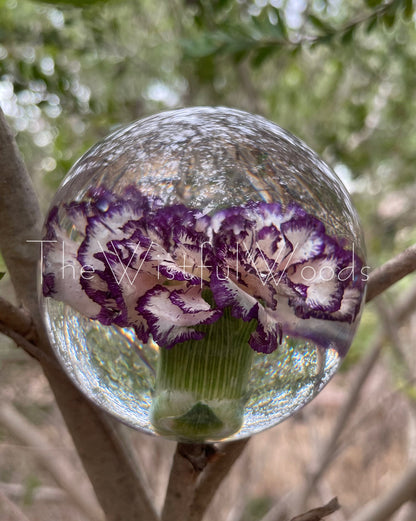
[(316, 514), (403, 309), (213, 475), (17, 319), (9, 511), (196, 473), (188, 462), (20, 219), (114, 475), (18, 492), (30, 348), (384, 506), (17, 324), (59, 468), (391, 272)]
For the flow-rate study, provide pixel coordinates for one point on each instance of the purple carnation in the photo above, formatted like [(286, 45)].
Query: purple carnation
[(152, 267)]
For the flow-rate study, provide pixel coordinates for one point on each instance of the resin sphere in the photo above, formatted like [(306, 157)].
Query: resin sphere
[(203, 274)]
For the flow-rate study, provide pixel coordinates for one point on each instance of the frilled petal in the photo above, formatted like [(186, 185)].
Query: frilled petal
[(171, 315), (61, 279), (235, 221), (327, 335), (317, 285), (228, 294), (192, 252), (144, 265), (349, 308), (268, 335), (307, 237), (269, 242), (61, 271)]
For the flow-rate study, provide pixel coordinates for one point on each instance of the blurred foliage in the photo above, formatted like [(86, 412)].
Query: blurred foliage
[(257, 508), (340, 75), (32, 482)]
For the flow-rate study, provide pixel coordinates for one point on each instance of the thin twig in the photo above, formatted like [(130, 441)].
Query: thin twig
[(384, 506), (316, 514), (51, 460), (9, 511), (391, 272), (330, 447), (213, 475), (17, 491), (403, 309)]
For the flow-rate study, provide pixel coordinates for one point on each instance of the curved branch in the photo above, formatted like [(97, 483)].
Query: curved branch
[(9, 511), (16, 319), (30, 348), (20, 219), (404, 307), (316, 514), (383, 507), (391, 272), (58, 467)]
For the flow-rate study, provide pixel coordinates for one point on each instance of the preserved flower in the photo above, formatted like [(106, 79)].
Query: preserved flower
[(203, 274)]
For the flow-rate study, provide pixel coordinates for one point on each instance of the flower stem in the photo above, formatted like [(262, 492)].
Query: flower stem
[(201, 385)]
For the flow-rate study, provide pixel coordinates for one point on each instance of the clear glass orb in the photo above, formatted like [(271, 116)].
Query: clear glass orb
[(203, 274)]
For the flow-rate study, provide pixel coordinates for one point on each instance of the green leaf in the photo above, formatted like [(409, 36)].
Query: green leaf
[(220, 4), (373, 3), (281, 24), (263, 54), (2, 275), (205, 46), (73, 3), (348, 35), (389, 18), (320, 24), (324, 39), (408, 9), (372, 24)]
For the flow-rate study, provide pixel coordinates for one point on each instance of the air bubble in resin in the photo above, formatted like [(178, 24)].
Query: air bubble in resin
[(203, 274)]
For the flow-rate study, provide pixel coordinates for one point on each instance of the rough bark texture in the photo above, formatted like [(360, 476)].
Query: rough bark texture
[(210, 480), (188, 462)]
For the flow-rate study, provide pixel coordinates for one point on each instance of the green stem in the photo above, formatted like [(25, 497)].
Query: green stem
[(201, 385)]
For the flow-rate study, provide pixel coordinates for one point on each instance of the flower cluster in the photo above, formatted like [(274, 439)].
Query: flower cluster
[(166, 270)]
